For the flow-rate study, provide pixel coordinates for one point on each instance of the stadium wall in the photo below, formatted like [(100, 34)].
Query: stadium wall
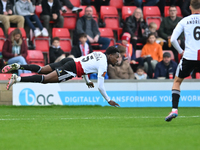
[(128, 93), (5, 96)]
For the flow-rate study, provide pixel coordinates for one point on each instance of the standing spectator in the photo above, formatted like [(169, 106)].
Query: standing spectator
[(166, 28), (26, 9), (83, 48), (122, 70), (152, 54), (51, 11), (162, 4), (15, 50), (56, 54), (140, 73), (138, 3), (134, 25), (7, 17), (88, 25), (70, 6), (165, 67), (185, 10)]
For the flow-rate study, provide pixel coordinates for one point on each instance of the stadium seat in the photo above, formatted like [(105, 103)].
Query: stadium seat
[(35, 57), (107, 32), (2, 39), (127, 11), (189, 77), (21, 29), (5, 76), (166, 11), (95, 16), (152, 14), (109, 15), (69, 20), (76, 3), (117, 3), (65, 39), (197, 75)]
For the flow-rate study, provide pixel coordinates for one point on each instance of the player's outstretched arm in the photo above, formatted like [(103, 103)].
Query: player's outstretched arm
[(88, 82), (103, 92)]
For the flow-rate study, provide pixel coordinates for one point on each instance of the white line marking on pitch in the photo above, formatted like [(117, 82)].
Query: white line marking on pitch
[(85, 118)]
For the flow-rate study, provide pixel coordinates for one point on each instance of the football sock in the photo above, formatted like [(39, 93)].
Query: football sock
[(34, 78), (175, 98), (34, 68)]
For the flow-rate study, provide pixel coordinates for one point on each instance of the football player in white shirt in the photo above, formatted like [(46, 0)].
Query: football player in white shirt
[(68, 68), (191, 55)]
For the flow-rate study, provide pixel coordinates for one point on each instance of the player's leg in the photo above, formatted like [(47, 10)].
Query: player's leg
[(184, 69)]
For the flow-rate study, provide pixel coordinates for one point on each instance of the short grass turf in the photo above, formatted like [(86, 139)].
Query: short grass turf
[(97, 128)]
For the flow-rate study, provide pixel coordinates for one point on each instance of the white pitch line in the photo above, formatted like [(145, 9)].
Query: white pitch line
[(87, 118)]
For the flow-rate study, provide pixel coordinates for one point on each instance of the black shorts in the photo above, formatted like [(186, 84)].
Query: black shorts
[(185, 67), (66, 69)]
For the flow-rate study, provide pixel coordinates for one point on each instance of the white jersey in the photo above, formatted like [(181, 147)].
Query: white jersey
[(95, 62), (191, 27)]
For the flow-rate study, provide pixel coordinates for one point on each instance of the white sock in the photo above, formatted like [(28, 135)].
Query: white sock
[(174, 109), (18, 79)]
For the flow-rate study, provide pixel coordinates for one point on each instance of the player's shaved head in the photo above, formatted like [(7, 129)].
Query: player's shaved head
[(195, 4)]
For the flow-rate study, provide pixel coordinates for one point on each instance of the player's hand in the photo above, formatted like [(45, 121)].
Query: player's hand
[(112, 103), (182, 53), (90, 85)]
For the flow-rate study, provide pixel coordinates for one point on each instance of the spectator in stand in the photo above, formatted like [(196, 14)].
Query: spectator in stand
[(7, 17), (51, 12), (130, 52), (15, 50), (26, 9), (122, 70), (70, 6), (138, 3), (152, 53), (97, 3), (134, 25), (88, 25), (83, 48), (140, 73), (185, 10), (165, 67), (56, 54), (166, 28)]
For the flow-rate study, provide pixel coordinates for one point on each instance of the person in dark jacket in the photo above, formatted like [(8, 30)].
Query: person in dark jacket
[(88, 25), (134, 25), (185, 10), (83, 48), (51, 12), (15, 50), (56, 54), (165, 67), (7, 16)]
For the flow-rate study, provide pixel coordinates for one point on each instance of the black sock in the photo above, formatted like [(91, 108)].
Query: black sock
[(34, 78), (175, 98), (34, 68)]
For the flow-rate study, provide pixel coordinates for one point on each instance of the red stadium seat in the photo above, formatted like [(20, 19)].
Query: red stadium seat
[(152, 14), (35, 57), (138, 53), (110, 16), (5, 76), (2, 39), (65, 39), (95, 16), (116, 3), (38, 10), (127, 11), (197, 75), (107, 32), (166, 11), (76, 3), (69, 19), (21, 29)]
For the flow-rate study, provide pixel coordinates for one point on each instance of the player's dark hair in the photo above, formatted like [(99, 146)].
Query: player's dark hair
[(82, 35), (112, 50), (55, 39), (195, 4)]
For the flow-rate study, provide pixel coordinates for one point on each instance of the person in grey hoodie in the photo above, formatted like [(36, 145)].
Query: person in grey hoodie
[(26, 9)]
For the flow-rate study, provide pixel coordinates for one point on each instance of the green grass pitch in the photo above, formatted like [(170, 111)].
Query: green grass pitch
[(97, 128)]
